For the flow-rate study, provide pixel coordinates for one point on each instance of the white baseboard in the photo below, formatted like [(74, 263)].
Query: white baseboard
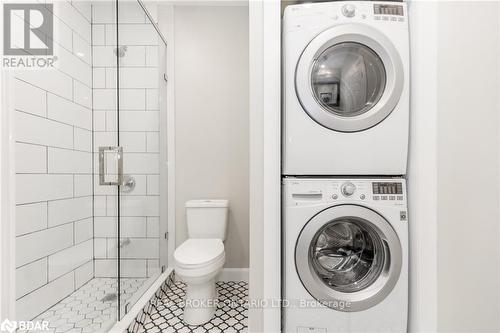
[(233, 274)]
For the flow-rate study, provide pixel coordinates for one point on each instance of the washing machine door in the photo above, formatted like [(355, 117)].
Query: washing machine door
[(349, 78), (348, 257)]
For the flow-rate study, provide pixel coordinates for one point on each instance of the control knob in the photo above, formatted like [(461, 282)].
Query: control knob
[(348, 189), (349, 10)]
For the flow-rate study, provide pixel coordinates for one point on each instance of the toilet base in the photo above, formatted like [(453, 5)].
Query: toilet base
[(200, 303)]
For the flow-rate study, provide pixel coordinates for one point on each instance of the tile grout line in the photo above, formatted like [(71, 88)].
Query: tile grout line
[(52, 227), (50, 119)]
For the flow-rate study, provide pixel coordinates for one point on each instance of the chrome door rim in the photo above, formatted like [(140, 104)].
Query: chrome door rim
[(352, 301), (361, 34)]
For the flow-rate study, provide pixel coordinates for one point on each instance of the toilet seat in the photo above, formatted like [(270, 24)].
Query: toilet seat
[(199, 254)]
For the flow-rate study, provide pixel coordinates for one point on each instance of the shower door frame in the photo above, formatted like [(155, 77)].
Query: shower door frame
[(166, 163), (7, 198), (167, 121)]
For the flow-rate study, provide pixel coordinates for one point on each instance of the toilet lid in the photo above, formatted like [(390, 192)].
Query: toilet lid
[(198, 251)]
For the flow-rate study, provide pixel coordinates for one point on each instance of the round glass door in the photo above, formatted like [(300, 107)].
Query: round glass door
[(349, 78), (348, 257), (347, 254)]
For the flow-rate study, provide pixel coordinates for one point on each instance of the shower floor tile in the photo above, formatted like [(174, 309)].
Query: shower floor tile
[(91, 308), (231, 314)]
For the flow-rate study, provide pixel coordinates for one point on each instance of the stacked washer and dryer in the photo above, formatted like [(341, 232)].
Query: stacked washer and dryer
[(345, 147)]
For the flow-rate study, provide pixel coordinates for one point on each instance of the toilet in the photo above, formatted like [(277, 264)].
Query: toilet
[(201, 257)]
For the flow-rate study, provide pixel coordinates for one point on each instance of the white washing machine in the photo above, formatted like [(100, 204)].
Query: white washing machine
[(345, 250), (346, 88)]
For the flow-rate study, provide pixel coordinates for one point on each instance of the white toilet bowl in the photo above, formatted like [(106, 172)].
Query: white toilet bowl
[(197, 263)]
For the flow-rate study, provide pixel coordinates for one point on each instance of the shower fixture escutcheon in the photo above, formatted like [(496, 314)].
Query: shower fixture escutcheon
[(120, 51)]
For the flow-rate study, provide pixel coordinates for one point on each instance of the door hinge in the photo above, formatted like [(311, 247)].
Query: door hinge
[(165, 77), (166, 235), (163, 268)]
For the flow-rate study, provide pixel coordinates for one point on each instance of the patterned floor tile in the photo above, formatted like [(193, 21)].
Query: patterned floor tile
[(85, 311), (231, 314)]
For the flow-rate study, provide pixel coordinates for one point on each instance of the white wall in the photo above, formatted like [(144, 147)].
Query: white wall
[(454, 165), (468, 167), (265, 171), (53, 133), (211, 117), (422, 168)]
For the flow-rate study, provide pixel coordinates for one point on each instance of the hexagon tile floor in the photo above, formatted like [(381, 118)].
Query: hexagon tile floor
[(231, 315), (90, 308)]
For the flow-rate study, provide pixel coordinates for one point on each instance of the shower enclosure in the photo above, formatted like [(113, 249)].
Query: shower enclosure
[(91, 168)]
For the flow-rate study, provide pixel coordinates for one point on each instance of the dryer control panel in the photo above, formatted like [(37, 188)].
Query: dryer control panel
[(306, 191), (384, 9), (345, 12)]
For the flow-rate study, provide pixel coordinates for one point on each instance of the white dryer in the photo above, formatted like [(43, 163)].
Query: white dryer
[(345, 250), (346, 88)]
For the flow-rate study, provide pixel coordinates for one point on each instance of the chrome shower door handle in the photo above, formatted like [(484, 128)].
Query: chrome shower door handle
[(102, 165)]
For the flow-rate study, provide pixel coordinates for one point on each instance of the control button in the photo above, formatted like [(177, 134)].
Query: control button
[(376, 197), (348, 189), (401, 19), (391, 197), (385, 18), (377, 18), (362, 197), (393, 19), (349, 10), (384, 197), (335, 197), (400, 197)]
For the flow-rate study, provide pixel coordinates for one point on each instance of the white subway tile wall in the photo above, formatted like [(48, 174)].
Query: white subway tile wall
[(138, 135), (66, 223), (54, 227)]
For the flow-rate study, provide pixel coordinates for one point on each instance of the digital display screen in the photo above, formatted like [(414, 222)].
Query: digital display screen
[(388, 10), (387, 188)]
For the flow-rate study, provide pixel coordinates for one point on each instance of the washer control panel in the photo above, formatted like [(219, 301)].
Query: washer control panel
[(348, 189), (302, 191), (385, 9), (344, 11), (348, 10)]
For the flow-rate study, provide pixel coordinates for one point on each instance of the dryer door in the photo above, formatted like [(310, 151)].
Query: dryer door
[(348, 257), (349, 78)]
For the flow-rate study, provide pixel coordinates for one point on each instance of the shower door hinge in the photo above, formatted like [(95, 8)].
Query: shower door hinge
[(163, 268), (166, 235), (165, 77), (126, 308)]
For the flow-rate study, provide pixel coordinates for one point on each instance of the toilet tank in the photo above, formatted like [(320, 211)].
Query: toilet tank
[(207, 218)]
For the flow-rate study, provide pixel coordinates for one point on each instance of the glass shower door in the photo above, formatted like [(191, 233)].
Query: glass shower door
[(107, 157), (141, 122)]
